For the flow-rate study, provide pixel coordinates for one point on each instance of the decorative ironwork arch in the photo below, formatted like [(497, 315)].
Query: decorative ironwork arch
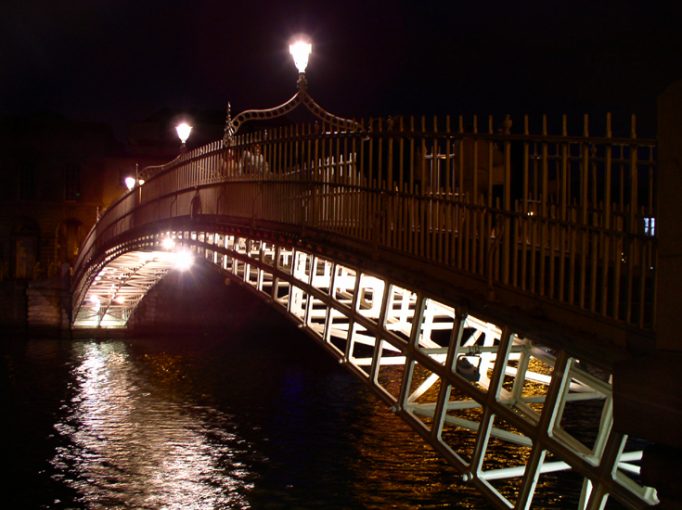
[(302, 97)]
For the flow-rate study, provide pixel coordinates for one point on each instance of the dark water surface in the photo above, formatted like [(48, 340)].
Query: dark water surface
[(260, 417)]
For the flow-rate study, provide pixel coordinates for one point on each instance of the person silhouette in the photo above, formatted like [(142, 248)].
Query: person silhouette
[(253, 160)]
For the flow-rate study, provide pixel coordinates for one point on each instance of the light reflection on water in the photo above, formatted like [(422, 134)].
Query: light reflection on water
[(260, 418), (131, 446), (262, 421)]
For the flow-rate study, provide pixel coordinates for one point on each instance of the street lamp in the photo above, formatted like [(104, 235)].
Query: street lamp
[(183, 129), (300, 50), (130, 182), (183, 260), (167, 243)]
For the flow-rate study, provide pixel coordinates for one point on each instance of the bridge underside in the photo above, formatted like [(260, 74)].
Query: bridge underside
[(508, 411), (120, 284)]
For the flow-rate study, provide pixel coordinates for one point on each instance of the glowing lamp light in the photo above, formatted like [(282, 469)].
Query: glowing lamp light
[(96, 303), (183, 129), (300, 50), (183, 260), (167, 243), (130, 182)]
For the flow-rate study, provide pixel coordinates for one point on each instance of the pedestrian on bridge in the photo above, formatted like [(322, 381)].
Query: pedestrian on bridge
[(253, 161)]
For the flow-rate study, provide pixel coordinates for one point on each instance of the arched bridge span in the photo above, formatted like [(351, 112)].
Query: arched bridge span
[(395, 251)]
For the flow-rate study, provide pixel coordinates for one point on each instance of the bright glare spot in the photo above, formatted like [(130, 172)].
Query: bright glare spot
[(95, 301), (183, 129), (167, 243), (120, 299), (130, 182), (300, 50), (183, 260), (140, 182)]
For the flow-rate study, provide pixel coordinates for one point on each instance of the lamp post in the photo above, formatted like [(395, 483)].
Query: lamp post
[(130, 182), (300, 51), (183, 130)]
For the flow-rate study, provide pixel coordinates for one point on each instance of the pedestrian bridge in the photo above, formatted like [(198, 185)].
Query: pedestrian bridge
[(481, 277)]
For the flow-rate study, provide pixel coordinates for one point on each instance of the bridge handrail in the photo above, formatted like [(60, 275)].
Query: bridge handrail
[(565, 217)]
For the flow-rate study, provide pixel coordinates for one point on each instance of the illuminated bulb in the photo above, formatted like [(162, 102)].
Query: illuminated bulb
[(183, 129), (300, 50), (183, 260), (130, 182), (167, 243), (120, 299), (95, 302)]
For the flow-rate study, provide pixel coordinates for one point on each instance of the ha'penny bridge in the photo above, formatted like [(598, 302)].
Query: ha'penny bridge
[(484, 277)]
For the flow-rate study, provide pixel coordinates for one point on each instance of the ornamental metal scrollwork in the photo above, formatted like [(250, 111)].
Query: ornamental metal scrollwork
[(302, 97)]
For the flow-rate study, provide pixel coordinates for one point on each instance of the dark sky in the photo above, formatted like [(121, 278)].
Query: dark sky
[(118, 61)]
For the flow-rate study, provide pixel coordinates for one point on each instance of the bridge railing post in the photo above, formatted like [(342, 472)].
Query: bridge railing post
[(668, 226), (647, 393)]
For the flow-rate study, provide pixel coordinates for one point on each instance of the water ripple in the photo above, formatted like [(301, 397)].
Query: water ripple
[(127, 448)]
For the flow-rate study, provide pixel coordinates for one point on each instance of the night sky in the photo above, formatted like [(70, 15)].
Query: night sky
[(119, 61)]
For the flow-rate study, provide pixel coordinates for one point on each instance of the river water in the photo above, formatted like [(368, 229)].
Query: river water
[(252, 417)]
